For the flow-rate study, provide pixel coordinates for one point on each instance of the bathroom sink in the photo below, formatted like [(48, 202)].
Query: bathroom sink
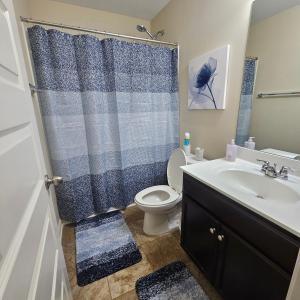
[(242, 181), (259, 186)]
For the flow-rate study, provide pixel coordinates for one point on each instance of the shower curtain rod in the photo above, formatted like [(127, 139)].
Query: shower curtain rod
[(40, 22)]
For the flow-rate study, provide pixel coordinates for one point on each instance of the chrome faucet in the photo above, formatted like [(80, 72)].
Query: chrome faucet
[(271, 171)]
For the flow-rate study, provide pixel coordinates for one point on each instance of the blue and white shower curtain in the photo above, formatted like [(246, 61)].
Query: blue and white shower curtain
[(111, 115), (245, 110)]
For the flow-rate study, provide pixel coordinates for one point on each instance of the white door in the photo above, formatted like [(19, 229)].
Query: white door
[(32, 264)]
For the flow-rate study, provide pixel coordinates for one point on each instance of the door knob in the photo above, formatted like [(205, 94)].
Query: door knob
[(55, 180), (212, 230), (221, 237)]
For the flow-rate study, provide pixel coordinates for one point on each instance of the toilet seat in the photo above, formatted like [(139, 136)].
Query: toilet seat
[(157, 196), (164, 195), (159, 201)]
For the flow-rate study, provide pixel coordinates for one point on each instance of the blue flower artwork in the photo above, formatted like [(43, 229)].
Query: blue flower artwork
[(208, 79)]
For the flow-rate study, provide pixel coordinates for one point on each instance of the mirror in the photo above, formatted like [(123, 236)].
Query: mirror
[(270, 98)]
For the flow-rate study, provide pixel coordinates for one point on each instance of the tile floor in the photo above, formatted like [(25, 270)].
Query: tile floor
[(157, 252)]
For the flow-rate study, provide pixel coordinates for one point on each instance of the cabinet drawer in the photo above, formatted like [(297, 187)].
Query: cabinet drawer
[(274, 242)]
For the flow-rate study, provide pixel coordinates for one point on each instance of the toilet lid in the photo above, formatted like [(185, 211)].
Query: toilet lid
[(174, 173)]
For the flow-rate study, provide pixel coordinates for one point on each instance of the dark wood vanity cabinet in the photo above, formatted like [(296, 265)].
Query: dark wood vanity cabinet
[(243, 255), (203, 249), (247, 274)]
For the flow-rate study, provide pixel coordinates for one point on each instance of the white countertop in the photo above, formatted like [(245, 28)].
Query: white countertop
[(281, 153), (191, 159), (285, 214)]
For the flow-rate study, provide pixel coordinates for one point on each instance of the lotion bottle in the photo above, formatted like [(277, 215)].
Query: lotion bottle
[(231, 151), (187, 144)]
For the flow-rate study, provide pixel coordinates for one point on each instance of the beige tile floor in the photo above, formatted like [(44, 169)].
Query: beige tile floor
[(156, 251)]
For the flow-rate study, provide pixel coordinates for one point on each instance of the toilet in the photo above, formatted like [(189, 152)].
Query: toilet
[(159, 201)]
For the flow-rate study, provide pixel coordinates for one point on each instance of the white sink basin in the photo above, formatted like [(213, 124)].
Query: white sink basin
[(259, 186), (275, 199)]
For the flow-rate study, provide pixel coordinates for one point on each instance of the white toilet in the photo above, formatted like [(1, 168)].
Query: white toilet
[(158, 201)]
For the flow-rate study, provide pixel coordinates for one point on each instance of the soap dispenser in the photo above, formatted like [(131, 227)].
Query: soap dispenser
[(250, 144), (231, 151)]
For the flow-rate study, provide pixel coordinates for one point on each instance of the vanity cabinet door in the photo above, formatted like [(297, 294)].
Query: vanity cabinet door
[(199, 230), (247, 274)]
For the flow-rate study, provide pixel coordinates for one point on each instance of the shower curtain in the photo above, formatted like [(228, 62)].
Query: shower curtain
[(110, 112), (245, 110)]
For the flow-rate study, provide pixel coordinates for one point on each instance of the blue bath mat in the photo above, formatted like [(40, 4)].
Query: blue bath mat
[(104, 245), (174, 282)]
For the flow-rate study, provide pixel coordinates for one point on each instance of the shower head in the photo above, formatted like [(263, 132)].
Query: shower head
[(142, 28)]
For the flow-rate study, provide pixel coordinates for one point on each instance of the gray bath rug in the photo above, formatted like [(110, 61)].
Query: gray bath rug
[(104, 245), (172, 282)]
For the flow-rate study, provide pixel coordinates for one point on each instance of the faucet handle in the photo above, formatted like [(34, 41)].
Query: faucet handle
[(264, 161), (284, 172), (287, 169), (265, 165)]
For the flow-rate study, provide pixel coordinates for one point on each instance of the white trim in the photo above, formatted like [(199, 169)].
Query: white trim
[(54, 276), (60, 226)]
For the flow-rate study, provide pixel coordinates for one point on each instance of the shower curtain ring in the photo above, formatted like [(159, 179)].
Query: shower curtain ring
[(105, 35), (63, 29)]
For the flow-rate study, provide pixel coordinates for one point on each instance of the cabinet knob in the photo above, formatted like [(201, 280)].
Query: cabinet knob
[(212, 230), (221, 237)]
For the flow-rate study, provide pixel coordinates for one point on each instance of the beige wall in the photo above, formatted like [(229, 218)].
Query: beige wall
[(81, 16), (200, 26), (275, 121)]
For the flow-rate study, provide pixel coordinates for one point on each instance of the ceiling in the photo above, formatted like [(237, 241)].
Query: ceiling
[(148, 9), (263, 9), (144, 9)]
